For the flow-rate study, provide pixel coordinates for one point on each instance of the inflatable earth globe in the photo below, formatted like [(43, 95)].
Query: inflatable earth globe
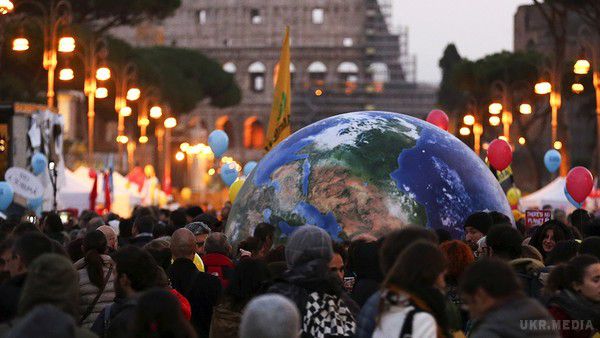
[(366, 173)]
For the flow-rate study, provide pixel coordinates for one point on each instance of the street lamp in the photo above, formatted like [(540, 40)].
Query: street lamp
[(125, 111), (469, 120), (66, 44), (179, 156), (58, 15), (577, 88), (557, 145), (525, 108), (103, 74), (494, 121), (170, 122), (522, 140), (143, 139), (133, 94), (465, 131), (542, 88), (495, 108), (101, 93), (123, 77), (20, 45), (155, 112), (6, 6), (581, 67), (66, 74)]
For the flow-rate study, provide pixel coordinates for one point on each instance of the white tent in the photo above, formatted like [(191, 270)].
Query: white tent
[(552, 194), (75, 192)]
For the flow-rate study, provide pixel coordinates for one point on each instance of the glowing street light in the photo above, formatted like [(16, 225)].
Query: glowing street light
[(66, 44), (525, 108), (122, 139), (542, 88), (6, 6), (318, 92), (133, 94), (494, 121), (184, 146), (102, 74), (558, 145), (20, 44), (465, 131), (143, 139), (155, 112), (66, 74), (125, 111), (469, 120), (211, 171), (170, 122), (582, 67), (101, 93), (143, 122), (495, 108), (577, 88), (522, 140), (179, 156)]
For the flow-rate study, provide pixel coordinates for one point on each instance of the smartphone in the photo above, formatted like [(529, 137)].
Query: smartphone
[(64, 217), (31, 219)]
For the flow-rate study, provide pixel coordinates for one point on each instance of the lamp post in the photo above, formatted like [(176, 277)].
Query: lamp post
[(57, 15), (124, 77), (591, 41), (93, 54), (169, 124)]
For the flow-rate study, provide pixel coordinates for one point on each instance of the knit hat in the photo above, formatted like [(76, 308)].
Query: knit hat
[(306, 244), (51, 279), (481, 221)]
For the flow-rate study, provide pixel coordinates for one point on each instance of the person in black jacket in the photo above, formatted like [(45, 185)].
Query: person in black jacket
[(136, 271), (201, 289), (24, 251), (142, 230)]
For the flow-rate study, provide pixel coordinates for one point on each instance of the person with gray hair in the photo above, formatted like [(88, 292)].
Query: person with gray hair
[(94, 224), (325, 308), (270, 316), (216, 260)]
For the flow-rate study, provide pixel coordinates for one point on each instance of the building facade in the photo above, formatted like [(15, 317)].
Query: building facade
[(344, 57)]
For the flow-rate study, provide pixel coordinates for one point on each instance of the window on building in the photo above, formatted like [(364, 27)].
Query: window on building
[(348, 76), (230, 67), (257, 76), (318, 16), (201, 17), (317, 72), (254, 134), (380, 74), (255, 16), (348, 42), (224, 123)]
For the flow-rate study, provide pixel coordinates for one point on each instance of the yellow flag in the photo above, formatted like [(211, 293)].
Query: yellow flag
[(279, 122)]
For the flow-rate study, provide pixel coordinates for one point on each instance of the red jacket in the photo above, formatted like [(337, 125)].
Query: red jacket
[(219, 265)]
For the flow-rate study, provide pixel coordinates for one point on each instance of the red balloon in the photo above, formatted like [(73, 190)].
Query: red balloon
[(579, 183), (499, 154), (438, 118)]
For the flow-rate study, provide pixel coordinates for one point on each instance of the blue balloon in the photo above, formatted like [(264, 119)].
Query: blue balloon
[(6, 195), (552, 160), (571, 200), (249, 167), (228, 173), (39, 163), (218, 142)]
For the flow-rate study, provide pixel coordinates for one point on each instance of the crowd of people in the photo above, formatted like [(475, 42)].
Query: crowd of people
[(164, 273)]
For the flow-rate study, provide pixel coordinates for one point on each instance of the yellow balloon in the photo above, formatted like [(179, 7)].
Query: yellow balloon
[(186, 194), (235, 188), (513, 195)]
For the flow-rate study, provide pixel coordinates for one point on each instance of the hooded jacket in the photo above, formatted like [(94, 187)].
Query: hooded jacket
[(567, 305)]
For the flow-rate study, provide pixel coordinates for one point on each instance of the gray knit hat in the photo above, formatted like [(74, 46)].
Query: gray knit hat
[(51, 279), (308, 243)]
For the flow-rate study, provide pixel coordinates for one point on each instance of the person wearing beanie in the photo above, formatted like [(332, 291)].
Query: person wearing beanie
[(324, 306), (476, 227), (270, 316), (49, 301)]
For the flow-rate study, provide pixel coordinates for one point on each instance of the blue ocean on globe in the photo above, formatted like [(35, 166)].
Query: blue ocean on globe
[(366, 173)]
